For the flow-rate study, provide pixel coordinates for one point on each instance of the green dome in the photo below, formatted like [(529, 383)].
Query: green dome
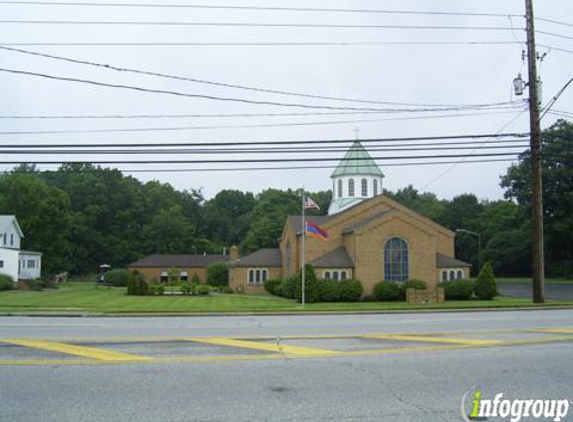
[(357, 161)]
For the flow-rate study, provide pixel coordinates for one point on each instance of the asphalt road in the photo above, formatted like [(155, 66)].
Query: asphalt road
[(406, 367), (552, 291)]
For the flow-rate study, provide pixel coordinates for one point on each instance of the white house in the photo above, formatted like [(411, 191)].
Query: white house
[(18, 264)]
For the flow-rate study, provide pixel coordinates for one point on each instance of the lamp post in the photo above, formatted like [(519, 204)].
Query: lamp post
[(479, 244)]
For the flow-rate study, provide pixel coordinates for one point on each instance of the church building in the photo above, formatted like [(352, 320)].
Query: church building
[(371, 238)]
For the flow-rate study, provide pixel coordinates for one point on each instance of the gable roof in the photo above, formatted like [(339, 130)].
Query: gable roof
[(444, 261), (267, 257), (6, 221), (181, 261), (337, 258), (357, 161), (365, 222)]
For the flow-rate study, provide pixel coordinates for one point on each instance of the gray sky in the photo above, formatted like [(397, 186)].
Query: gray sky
[(444, 74)]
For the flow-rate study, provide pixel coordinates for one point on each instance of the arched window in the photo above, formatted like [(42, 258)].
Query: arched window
[(340, 188), (396, 260), (251, 276), (327, 275), (335, 275), (452, 275), (164, 277), (444, 276), (343, 275), (265, 275), (364, 187), (375, 187), (351, 187), (460, 275), (288, 258), (184, 276), (258, 276)]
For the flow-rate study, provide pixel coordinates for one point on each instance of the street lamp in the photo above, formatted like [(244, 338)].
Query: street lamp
[(479, 244)]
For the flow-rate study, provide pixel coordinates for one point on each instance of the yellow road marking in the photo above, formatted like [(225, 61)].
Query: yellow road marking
[(564, 330), (277, 348), (469, 342), (71, 349)]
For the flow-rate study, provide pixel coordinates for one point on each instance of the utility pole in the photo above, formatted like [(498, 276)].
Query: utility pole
[(535, 147)]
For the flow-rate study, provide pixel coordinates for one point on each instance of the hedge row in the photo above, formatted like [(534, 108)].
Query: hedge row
[(6, 282), (389, 291)]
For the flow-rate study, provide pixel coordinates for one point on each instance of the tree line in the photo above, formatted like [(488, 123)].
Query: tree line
[(82, 215)]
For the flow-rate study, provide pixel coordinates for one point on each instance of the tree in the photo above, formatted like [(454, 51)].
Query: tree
[(485, 287), (557, 167), (218, 274)]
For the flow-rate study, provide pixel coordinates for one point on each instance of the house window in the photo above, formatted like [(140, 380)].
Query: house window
[(258, 276), (251, 276), (164, 277), (452, 275), (1, 264), (183, 276), (288, 258), (335, 275), (11, 239), (375, 187), (31, 263), (343, 275), (327, 275), (460, 275), (265, 274), (364, 187), (4, 238), (340, 188), (396, 260), (444, 276), (351, 187)]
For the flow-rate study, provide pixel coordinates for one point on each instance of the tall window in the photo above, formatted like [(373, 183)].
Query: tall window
[(340, 188), (351, 187), (459, 275), (444, 276), (364, 187), (396, 260), (375, 187), (452, 275), (288, 257), (11, 239)]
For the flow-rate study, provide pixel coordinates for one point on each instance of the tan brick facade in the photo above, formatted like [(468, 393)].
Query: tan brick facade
[(239, 279)]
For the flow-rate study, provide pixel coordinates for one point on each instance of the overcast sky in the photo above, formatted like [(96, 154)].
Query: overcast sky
[(407, 73)]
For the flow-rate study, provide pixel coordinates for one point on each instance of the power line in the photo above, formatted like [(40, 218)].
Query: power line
[(228, 85), (553, 34), (555, 98), (554, 21), (289, 9), (212, 127), (258, 25), (234, 144), (563, 50), (209, 97)]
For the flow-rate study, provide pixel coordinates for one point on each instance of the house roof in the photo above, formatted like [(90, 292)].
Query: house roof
[(181, 261), (444, 261), (268, 257), (337, 258), (6, 220), (357, 161)]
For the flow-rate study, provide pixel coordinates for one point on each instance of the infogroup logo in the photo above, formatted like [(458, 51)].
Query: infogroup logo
[(514, 410)]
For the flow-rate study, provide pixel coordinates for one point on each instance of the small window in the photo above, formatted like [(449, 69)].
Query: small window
[(460, 275), (444, 276), (327, 275), (364, 187), (335, 275), (251, 276), (340, 188), (264, 275), (4, 238), (343, 275), (12, 239), (164, 277), (452, 275), (258, 276), (375, 187), (183, 276), (31, 263), (1, 264), (351, 187)]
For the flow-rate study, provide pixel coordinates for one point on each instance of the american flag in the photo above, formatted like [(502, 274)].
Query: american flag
[(309, 204)]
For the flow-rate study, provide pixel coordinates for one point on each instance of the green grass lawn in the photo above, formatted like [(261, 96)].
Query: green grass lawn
[(82, 297), (529, 280)]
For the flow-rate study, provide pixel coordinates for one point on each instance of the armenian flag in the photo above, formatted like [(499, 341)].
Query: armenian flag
[(315, 231)]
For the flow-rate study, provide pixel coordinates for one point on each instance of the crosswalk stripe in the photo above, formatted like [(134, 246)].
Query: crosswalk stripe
[(71, 349), (426, 339), (268, 347)]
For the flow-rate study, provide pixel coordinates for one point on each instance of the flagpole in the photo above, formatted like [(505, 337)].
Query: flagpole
[(303, 247)]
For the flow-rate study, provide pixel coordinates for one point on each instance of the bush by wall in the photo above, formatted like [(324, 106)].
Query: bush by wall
[(458, 289), (387, 291), (311, 286), (485, 286), (218, 274), (117, 278), (195, 279), (340, 291), (287, 288), (136, 284), (202, 289), (271, 286), (6, 282)]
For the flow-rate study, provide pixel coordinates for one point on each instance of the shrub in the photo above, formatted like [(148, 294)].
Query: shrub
[(350, 290), (195, 279), (411, 284), (218, 274), (329, 290), (287, 288), (136, 284), (117, 278), (37, 285), (202, 289), (6, 282), (311, 286), (271, 286), (458, 289), (156, 289), (187, 288), (485, 286), (226, 289), (387, 291)]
